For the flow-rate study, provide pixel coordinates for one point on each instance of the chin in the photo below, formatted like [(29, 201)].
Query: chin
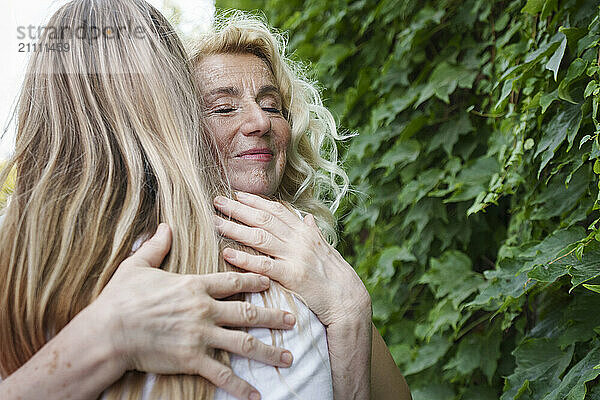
[(262, 190)]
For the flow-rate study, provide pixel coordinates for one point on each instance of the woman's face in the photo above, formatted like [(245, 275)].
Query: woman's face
[(243, 110)]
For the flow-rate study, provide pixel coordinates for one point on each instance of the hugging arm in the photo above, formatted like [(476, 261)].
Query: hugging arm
[(387, 383), (78, 363), (131, 325), (300, 259)]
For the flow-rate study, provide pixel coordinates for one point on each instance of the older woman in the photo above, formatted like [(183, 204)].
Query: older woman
[(272, 130)]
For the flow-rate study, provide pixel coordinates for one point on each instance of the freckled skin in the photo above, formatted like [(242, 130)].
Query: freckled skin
[(54, 363), (243, 110)]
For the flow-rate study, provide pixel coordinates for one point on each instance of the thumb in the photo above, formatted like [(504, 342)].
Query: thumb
[(154, 250)]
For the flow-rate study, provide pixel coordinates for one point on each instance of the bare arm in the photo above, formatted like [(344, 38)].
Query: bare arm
[(350, 356), (79, 363), (386, 380)]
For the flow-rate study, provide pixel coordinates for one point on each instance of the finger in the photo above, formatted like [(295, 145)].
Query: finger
[(154, 250), (225, 284), (309, 220), (248, 346), (252, 217), (223, 377), (245, 315), (256, 238), (273, 207), (254, 263)]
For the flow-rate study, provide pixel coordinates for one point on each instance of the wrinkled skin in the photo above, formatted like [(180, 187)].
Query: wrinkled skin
[(243, 111)]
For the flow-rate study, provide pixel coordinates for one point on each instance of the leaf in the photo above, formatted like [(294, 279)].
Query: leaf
[(385, 265), (540, 362), (564, 125), (402, 153), (577, 324), (506, 281), (449, 132), (416, 189), (334, 55), (580, 271), (528, 145), (433, 391), (553, 63), (506, 90), (442, 277), (576, 69), (593, 288), (444, 80), (572, 386), (549, 7), (557, 199), (547, 99), (544, 264), (533, 6), (427, 355), (473, 179), (442, 316), (590, 88), (477, 351), (573, 35)]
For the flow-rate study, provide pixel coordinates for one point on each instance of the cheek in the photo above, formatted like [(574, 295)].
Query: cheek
[(283, 137), (219, 129)]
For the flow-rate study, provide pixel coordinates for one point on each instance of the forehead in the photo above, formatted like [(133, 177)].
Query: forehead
[(224, 70)]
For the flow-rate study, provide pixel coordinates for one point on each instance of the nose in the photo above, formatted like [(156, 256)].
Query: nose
[(256, 121)]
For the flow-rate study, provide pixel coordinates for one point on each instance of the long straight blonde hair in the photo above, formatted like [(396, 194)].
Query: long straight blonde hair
[(109, 143)]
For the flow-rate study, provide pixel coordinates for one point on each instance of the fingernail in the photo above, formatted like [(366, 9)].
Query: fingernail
[(286, 357), (264, 280), (241, 195), (289, 319), (219, 201), (218, 221), (162, 229), (254, 396)]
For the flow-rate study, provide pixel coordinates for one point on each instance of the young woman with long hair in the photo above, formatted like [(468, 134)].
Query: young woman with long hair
[(110, 142)]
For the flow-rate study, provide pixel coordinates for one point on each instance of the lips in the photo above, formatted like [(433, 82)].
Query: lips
[(256, 154)]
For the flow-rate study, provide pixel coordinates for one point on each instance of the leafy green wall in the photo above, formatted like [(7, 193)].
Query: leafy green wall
[(477, 232)]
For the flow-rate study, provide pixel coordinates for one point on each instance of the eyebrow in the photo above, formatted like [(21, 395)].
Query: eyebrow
[(229, 90), (268, 89), (233, 91)]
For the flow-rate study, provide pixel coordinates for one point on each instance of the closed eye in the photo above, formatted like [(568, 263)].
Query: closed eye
[(224, 110), (272, 110)]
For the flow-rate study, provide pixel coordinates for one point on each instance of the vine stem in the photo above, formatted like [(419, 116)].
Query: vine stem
[(472, 325), (564, 255)]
